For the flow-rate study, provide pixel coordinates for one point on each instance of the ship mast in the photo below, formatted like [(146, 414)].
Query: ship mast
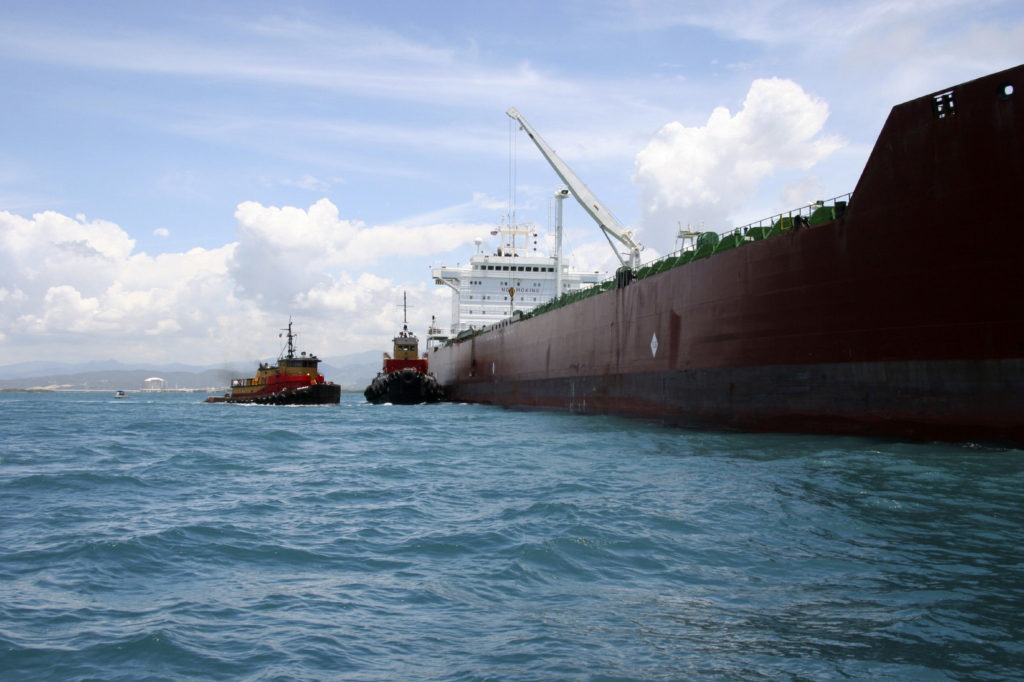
[(560, 196), (291, 346), (405, 313)]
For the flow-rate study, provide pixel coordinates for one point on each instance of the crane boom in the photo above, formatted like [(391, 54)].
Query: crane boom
[(612, 228)]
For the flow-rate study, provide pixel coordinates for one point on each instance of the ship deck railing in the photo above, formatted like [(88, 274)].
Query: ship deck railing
[(707, 244)]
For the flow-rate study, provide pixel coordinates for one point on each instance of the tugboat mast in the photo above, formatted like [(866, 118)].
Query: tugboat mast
[(291, 346), (405, 314)]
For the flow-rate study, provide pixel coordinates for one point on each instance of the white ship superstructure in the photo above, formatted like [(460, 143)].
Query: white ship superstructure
[(492, 286)]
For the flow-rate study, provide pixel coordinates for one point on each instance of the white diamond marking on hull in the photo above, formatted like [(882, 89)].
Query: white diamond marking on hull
[(654, 344)]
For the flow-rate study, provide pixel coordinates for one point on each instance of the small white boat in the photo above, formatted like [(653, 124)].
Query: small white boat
[(120, 394)]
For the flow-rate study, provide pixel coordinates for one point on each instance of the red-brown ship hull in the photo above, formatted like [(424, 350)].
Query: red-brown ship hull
[(902, 317)]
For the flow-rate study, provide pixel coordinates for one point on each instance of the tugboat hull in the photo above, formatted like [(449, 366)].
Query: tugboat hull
[(404, 387), (318, 394)]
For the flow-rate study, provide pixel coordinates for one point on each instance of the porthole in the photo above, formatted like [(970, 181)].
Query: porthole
[(1006, 91)]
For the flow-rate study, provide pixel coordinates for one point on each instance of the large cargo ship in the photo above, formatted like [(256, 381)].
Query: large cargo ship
[(897, 312)]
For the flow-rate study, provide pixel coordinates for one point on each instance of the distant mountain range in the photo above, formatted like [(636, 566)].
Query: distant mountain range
[(352, 372)]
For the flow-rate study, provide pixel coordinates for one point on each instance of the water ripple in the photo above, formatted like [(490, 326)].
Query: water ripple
[(169, 539)]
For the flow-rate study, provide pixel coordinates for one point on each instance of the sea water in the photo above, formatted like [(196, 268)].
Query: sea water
[(158, 537)]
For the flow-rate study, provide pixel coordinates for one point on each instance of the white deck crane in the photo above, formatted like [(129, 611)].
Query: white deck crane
[(611, 227)]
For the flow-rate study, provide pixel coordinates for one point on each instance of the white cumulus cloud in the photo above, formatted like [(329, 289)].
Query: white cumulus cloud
[(705, 173), (76, 289), (290, 257)]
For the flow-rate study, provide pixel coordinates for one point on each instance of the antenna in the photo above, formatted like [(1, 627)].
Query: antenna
[(405, 313), (291, 337)]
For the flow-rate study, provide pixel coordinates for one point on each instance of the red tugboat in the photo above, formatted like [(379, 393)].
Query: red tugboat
[(405, 379), (294, 381)]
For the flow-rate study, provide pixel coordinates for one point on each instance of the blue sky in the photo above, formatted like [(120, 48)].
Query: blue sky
[(176, 179)]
